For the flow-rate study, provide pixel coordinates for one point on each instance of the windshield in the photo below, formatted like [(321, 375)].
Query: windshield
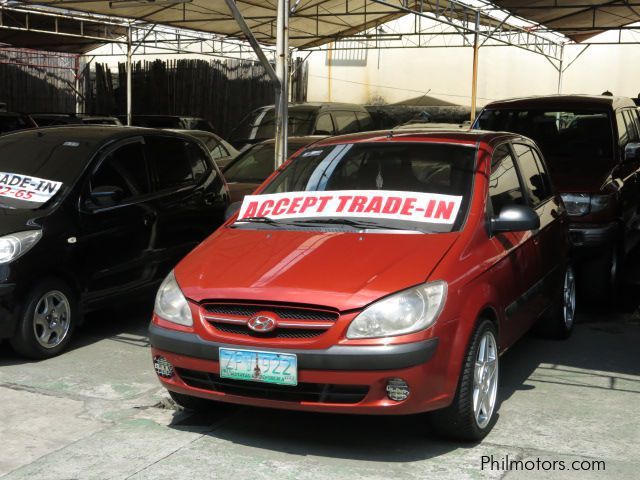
[(424, 187), (260, 125), (567, 136), (34, 170), (257, 163)]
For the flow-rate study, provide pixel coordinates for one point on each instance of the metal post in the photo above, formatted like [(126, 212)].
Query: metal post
[(77, 76), (129, 75), (560, 69), (282, 71), (474, 80)]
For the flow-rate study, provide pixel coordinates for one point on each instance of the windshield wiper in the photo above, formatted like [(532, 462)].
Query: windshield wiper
[(360, 224)]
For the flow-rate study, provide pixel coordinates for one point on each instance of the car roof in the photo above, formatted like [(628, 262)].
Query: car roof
[(564, 101), (321, 105), (89, 137), (301, 140), (462, 137)]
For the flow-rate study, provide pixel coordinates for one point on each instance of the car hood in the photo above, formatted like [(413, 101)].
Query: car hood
[(12, 221), (335, 269)]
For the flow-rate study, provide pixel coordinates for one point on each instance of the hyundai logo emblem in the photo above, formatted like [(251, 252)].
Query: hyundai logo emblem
[(262, 323)]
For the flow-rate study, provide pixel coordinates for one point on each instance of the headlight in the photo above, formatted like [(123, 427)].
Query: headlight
[(600, 202), (14, 245), (405, 312), (171, 305), (577, 204)]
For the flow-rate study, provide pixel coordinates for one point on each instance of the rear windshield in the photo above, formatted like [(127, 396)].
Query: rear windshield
[(394, 185), (261, 125), (257, 163), (35, 171), (567, 136)]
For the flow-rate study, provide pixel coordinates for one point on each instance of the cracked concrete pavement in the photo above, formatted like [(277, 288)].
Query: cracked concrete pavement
[(98, 412)]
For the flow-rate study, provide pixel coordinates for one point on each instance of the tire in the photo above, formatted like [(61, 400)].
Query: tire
[(195, 404), (47, 321), (460, 421), (559, 320), (600, 276)]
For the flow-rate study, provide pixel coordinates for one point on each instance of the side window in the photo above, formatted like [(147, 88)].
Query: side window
[(124, 168), (504, 184), (535, 180), (324, 125), (218, 152), (623, 135), (366, 123), (198, 160), (346, 122), (631, 120), (170, 159)]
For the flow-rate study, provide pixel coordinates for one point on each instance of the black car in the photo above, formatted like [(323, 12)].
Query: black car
[(10, 122), (222, 152), (324, 119), (91, 215)]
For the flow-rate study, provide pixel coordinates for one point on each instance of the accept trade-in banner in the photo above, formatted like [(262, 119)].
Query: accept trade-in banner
[(28, 188), (372, 204)]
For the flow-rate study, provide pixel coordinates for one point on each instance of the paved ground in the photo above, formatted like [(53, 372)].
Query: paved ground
[(98, 412)]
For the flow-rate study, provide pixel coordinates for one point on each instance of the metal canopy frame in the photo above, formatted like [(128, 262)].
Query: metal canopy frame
[(476, 23)]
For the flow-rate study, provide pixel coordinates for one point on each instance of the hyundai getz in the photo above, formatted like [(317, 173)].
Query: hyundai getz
[(378, 273)]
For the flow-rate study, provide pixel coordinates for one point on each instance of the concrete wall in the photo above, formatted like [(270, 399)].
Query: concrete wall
[(395, 75)]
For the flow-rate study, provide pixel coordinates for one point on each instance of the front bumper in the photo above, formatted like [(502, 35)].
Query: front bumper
[(358, 373), (590, 237)]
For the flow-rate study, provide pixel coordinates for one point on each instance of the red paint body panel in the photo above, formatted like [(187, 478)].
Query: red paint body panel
[(345, 272)]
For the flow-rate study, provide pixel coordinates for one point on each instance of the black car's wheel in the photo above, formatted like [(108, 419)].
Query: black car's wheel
[(472, 414), (559, 320), (47, 321), (600, 276), (195, 404)]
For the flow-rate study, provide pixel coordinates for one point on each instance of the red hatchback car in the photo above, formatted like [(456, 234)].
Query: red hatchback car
[(377, 273)]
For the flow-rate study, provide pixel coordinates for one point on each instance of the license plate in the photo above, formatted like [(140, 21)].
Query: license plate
[(256, 366)]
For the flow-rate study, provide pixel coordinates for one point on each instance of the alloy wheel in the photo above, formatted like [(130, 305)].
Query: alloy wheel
[(485, 380), (569, 303), (51, 319)]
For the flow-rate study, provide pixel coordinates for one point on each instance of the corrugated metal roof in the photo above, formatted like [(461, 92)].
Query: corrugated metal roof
[(577, 19)]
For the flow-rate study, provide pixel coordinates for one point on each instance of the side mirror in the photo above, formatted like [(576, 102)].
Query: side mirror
[(106, 196), (515, 218), (632, 152), (231, 210)]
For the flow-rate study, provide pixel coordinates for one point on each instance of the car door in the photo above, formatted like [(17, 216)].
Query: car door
[(518, 263), (549, 243), (189, 197), (115, 234)]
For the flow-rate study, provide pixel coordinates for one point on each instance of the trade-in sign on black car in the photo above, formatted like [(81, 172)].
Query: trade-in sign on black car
[(89, 215)]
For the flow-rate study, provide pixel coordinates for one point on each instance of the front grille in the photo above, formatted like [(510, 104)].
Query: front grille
[(282, 312), (294, 322), (303, 392), (278, 333)]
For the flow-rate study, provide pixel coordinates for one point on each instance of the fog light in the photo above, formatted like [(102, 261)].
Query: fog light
[(397, 389), (163, 368)]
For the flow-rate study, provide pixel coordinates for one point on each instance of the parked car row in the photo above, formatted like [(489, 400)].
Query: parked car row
[(380, 273)]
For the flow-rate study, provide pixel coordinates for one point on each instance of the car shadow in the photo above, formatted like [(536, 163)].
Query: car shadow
[(128, 323)]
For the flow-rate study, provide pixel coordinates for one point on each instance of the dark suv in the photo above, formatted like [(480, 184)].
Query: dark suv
[(325, 119), (91, 215), (592, 147)]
